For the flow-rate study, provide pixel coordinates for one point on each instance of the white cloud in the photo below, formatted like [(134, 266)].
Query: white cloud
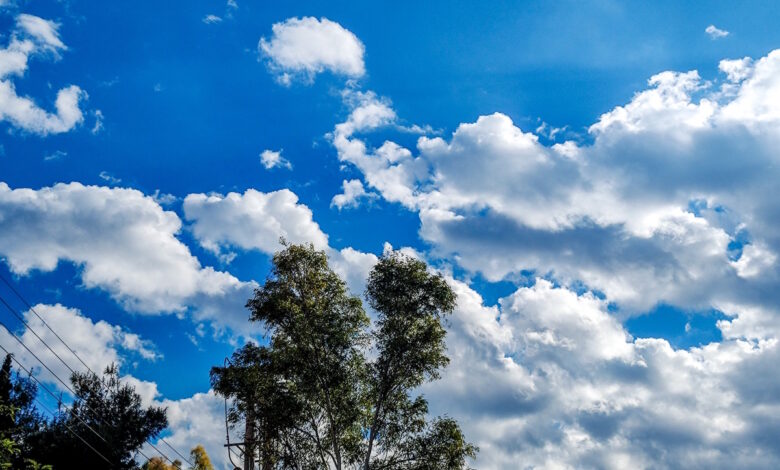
[(44, 31), (35, 36), (674, 201), (353, 266), (368, 112), (253, 220), (56, 155), (23, 113), (615, 214), (305, 47), (109, 178), (736, 69), (211, 19), (273, 159), (199, 419), (98, 343), (124, 243), (550, 379), (754, 261), (98, 126), (256, 221), (715, 33), (352, 193), (145, 389)]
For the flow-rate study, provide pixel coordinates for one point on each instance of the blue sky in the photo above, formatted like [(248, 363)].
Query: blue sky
[(579, 205)]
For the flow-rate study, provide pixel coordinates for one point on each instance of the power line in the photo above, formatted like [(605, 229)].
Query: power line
[(29, 372), (26, 324), (53, 415), (30, 307), (94, 413), (50, 371)]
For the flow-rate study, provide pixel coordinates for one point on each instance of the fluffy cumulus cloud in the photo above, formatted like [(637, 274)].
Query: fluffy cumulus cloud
[(256, 221), (304, 47), (672, 201), (273, 159), (124, 243), (715, 33), (352, 193), (199, 419), (252, 220), (561, 384), (97, 343), (35, 37)]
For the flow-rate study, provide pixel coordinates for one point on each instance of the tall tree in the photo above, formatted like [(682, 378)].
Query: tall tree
[(317, 335), (105, 406), (264, 398), (314, 400), (409, 340)]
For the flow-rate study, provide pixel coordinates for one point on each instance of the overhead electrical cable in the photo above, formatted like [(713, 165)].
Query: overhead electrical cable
[(73, 351), (53, 415), (67, 387)]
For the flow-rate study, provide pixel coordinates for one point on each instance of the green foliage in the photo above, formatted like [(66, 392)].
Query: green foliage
[(409, 340), (314, 399), (111, 409), (260, 391), (18, 419)]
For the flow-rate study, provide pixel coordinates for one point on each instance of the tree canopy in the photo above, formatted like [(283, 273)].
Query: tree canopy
[(105, 413), (19, 419), (330, 390), (200, 459)]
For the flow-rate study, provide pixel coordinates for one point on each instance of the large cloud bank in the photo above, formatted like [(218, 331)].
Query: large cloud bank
[(671, 199)]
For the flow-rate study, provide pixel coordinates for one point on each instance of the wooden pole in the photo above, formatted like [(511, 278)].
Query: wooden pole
[(249, 441)]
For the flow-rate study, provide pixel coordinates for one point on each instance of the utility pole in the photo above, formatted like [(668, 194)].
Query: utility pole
[(249, 440)]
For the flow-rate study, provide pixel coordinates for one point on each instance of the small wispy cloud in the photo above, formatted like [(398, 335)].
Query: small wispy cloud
[(56, 155), (211, 19), (163, 199), (715, 33), (109, 178), (98, 122)]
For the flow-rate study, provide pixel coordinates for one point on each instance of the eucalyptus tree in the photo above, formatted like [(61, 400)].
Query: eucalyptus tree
[(328, 390), (411, 304)]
